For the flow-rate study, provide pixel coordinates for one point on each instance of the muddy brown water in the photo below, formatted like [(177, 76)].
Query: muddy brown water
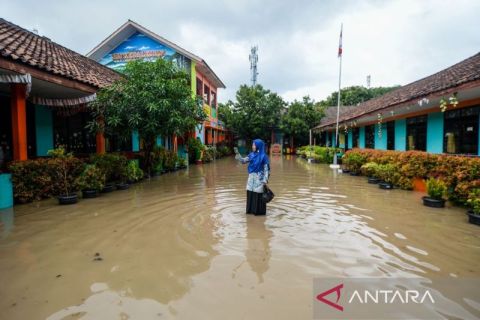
[(180, 246)]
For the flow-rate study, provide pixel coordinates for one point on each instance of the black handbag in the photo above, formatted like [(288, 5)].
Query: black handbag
[(268, 194)]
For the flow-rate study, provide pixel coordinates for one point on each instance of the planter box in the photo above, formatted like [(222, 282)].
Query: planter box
[(122, 186), (108, 188), (373, 180), (88, 194), (473, 218), (70, 199), (385, 185), (433, 203)]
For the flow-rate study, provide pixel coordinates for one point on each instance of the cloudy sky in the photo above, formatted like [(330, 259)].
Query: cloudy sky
[(396, 42)]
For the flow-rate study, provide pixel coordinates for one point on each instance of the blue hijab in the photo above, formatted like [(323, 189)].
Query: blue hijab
[(258, 158)]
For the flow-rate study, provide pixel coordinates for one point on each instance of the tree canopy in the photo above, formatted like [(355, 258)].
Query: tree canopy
[(254, 114), (153, 99), (351, 96)]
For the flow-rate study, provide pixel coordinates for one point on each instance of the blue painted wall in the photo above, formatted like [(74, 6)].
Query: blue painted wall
[(362, 138), (135, 141), (381, 143), (435, 132), (350, 139), (401, 134), (43, 130), (6, 190), (159, 141)]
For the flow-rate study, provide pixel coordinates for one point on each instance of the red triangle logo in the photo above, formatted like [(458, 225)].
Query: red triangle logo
[(321, 297)]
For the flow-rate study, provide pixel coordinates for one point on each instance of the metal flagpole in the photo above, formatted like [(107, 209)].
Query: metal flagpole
[(335, 160)]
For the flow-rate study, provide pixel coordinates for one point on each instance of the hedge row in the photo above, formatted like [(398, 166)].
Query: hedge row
[(461, 174), (318, 154)]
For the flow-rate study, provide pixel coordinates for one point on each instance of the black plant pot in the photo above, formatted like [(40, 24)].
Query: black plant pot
[(70, 199), (355, 174), (89, 193), (108, 188), (122, 186), (373, 180), (473, 218), (385, 185), (433, 203)]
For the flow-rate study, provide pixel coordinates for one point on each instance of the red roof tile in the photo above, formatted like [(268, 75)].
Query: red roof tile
[(26, 47), (459, 74)]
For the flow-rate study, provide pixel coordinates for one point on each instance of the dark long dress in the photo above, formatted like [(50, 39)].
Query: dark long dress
[(255, 203)]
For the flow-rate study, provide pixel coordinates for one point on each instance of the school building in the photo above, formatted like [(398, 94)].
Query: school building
[(44, 90), (438, 114), (132, 41)]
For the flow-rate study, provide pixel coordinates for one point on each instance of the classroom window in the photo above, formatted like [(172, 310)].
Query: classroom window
[(355, 137), (417, 133), (461, 131), (370, 136), (391, 135)]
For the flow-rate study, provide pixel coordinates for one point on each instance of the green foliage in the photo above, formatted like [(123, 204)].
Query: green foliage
[(133, 171), (42, 178), (209, 154), (254, 114), (474, 200), (300, 117), (91, 178), (153, 99), (113, 165), (436, 188), (351, 96), (388, 173), (317, 153), (354, 161), (195, 148), (370, 169)]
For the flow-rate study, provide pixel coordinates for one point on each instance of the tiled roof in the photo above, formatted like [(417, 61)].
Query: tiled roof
[(459, 74), (26, 47)]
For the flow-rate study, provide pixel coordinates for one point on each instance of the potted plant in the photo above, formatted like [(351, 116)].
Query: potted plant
[(474, 203), (182, 163), (91, 181), (106, 163), (436, 189), (389, 175), (134, 173), (354, 162), (64, 166), (370, 169), (122, 173)]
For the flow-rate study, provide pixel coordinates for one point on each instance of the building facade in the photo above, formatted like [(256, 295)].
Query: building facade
[(44, 90), (437, 114), (132, 41)]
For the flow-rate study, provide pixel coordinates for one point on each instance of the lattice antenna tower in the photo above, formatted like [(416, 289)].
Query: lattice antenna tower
[(253, 64)]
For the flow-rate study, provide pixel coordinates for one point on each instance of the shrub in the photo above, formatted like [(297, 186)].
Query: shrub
[(209, 154), (45, 177), (113, 165), (354, 161), (91, 178), (388, 173), (195, 148), (370, 169), (436, 188), (133, 171), (474, 201)]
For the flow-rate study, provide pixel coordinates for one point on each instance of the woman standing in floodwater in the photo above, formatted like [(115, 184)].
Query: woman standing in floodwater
[(258, 174)]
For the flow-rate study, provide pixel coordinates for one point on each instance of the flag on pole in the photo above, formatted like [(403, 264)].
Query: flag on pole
[(340, 43)]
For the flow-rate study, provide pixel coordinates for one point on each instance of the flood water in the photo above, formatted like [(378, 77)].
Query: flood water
[(180, 246)]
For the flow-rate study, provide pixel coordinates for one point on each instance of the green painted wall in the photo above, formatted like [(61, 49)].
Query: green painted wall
[(435, 132), (381, 142), (135, 141), (193, 78), (43, 130), (401, 134), (362, 138)]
